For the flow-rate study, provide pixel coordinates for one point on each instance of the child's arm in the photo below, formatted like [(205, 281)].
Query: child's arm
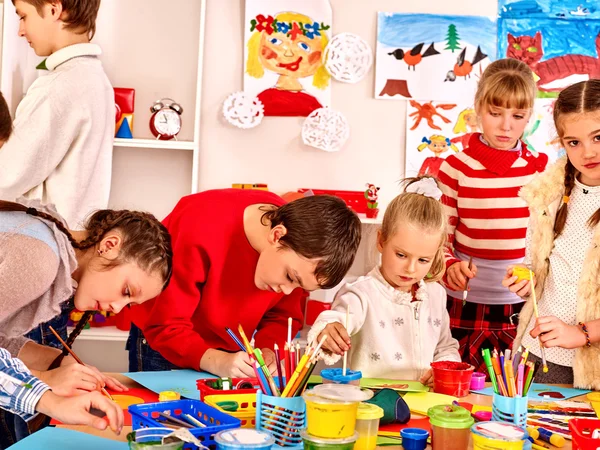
[(521, 287), (447, 347)]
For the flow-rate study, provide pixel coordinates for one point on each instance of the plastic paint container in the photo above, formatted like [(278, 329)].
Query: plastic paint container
[(477, 381), (367, 426), (335, 376), (151, 439), (331, 409), (594, 399), (242, 438), (452, 378), (414, 438), (499, 436), (450, 426), (316, 443)]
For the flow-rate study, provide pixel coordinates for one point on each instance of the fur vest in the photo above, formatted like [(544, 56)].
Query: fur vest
[(544, 197)]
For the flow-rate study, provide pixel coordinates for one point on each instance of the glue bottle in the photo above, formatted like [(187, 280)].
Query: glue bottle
[(547, 436)]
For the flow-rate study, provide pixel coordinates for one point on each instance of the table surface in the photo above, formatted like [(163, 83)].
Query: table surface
[(476, 399)]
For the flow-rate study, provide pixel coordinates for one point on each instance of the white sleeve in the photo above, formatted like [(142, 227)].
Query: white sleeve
[(447, 347)]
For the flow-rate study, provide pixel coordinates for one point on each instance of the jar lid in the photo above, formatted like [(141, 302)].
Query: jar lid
[(450, 416), (248, 437), (503, 431), (336, 376), (367, 411), (323, 441), (346, 393)]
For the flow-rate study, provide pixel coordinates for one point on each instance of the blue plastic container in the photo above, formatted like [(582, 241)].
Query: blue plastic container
[(244, 438), (335, 376), (510, 409), (142, 437), (283, 417), (146, 416), (414, 438)]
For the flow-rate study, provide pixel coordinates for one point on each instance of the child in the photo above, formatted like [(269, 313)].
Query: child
[(487, 219), (121, 257), (61, 147), (240, 256), (563, 248), (398, 319)]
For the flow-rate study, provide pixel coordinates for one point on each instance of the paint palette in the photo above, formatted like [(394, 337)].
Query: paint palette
[(555, 416)]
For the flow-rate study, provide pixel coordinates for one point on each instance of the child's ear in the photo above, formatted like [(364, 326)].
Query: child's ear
[(56, 10), (276, 233), (379, 241)]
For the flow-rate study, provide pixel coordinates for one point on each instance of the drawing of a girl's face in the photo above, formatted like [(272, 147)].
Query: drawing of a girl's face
[(438, 147), (471, 120), (298, 58)]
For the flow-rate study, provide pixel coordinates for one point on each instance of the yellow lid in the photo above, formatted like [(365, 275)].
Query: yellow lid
[(367, 411), (594, 396), (166, 396)]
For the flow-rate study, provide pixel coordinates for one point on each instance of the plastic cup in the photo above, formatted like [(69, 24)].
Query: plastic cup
[(414, 438), (367, 425), (477, 381), (452, 378), (244, 438), (146, 438), (317, 443), (336, 376), (331, 409), (450, 426), (594, 399)]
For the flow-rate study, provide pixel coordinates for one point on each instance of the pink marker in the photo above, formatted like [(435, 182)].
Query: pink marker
[(520, 378)]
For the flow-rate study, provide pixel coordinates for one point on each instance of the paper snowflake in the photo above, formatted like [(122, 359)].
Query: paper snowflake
[(325, 129), (348, 57), (242, 110)]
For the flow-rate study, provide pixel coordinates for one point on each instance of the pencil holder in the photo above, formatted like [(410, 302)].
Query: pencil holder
[(283, 417), (510, 409)]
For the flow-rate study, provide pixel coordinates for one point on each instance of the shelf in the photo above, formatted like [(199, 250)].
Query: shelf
[(154, 143), (367, 221), (103, 334)]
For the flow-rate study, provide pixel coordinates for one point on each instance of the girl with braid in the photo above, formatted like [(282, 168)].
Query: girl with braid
[(563, 248), (120, 258)]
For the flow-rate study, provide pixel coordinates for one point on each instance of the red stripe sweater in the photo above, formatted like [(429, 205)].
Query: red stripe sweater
[(487, 219), (212, 286)]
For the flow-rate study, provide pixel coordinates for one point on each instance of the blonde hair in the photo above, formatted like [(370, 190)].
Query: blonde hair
[(506, 83), (436, 137), (461, 123), (425, 212), (254, 67)]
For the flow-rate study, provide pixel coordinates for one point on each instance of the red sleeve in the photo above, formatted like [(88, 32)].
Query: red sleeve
[(169, 328), (273, 326)]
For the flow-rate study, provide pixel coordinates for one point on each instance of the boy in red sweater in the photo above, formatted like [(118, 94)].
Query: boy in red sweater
[(239, 257)]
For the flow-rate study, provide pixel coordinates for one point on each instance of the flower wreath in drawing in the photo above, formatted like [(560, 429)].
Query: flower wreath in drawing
[(271, 25)]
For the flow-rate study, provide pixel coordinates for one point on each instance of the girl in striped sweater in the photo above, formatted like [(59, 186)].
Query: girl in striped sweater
[(487, 219)]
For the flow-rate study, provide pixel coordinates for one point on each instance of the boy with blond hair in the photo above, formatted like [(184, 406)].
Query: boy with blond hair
[(61, 147)]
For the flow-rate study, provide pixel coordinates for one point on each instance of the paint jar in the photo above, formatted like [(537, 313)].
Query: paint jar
[(510, 409), (331, 409), (414, 438), (499, 436), (477, 381), (151, 439), (367, 425), (450, 426), (242, 438), (317, 443), (336, 376), (452, 378)]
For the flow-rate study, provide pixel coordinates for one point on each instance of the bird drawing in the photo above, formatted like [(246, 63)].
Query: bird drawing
[(414, 56)]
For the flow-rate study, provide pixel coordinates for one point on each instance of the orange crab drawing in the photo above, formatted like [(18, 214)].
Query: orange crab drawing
[(427, 111)]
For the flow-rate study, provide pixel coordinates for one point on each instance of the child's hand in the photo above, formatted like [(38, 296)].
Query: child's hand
[(427, 378), (553, 332), (224, 364), (458, 273), (338, 340), (270, 360), (522, 288)]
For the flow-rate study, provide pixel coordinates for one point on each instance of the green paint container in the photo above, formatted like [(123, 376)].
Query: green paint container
[(317, 443)]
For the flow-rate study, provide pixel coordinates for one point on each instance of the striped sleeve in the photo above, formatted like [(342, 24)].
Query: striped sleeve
[(448, 177), (19, 390)]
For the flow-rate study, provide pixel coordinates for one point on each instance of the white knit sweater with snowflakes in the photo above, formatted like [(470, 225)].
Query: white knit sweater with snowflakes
[(392, 336)]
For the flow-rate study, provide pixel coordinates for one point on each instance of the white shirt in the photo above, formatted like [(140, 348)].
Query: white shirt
[(61, 147), (566, 264), (392, 336)]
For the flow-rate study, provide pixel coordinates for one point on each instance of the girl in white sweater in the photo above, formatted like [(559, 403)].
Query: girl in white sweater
[(398, 319)]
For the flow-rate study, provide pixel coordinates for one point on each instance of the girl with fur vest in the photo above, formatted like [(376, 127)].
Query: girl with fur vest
[(563, 248)]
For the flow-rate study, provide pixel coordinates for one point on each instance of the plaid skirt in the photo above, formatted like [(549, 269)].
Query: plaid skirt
[(476, 326)]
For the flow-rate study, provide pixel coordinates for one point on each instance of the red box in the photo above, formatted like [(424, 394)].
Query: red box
[(204, 387), (354, 199), (581, 434)]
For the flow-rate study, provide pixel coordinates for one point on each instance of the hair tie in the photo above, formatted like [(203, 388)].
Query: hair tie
[(565, 199), (427, 141), (32, 211), (426, 186), (448, 141)]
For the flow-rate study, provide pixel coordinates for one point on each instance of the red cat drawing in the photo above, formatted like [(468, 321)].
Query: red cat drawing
[(529, 50)]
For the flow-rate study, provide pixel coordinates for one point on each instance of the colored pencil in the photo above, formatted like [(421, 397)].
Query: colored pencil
[(535, 310), (488, 363), (288, 344), (293, 358), (516, 358), (298, 350), (246, 342), (75, 357), (235, 339), (279, 368)]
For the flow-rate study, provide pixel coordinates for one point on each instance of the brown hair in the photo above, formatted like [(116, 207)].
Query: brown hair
[(579, 98), (420, 210), (506, 83), (5, 120), (146, 241), (320, 227), (80, 14)]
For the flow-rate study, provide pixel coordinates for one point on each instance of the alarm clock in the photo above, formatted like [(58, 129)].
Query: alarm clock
[(165, 121)]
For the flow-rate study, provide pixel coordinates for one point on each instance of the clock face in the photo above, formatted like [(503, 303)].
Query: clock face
[(167, 122)]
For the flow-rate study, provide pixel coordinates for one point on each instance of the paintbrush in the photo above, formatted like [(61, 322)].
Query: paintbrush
[(535, 310), (75, 357), (466, 291), (345, 365)]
